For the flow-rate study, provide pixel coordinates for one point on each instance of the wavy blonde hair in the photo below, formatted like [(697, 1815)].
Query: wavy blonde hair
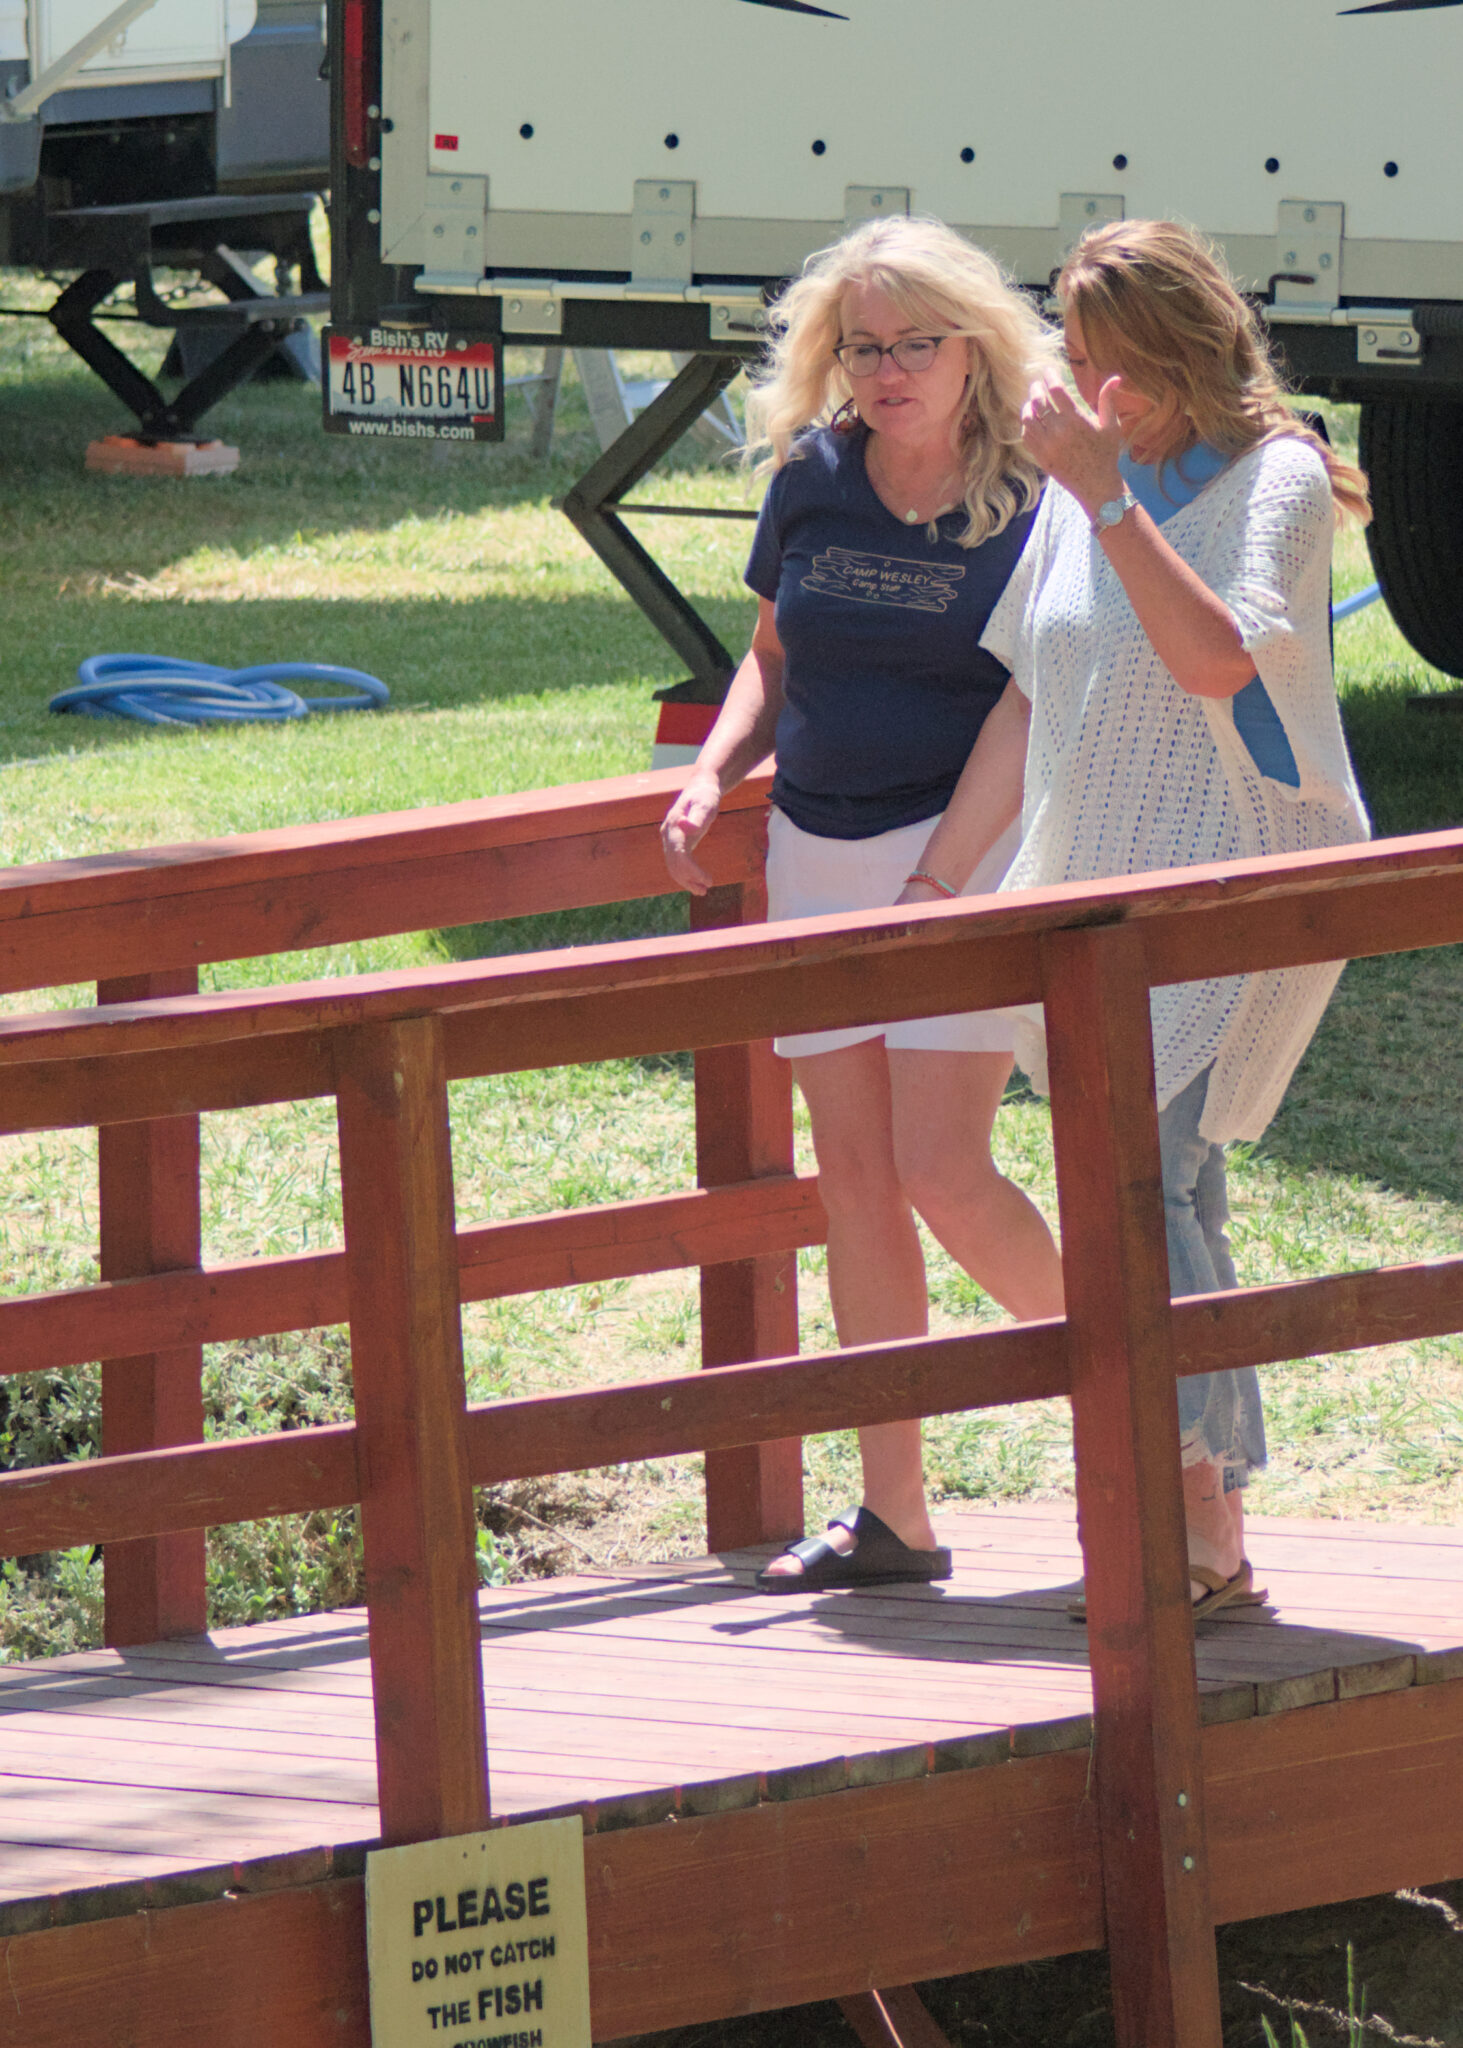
[(1156, 303), (938, 281)]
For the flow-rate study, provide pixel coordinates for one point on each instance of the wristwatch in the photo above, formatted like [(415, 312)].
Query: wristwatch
[(1113, 512)]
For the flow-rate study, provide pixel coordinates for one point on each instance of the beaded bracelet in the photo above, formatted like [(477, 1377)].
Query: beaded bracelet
[(934, 881)]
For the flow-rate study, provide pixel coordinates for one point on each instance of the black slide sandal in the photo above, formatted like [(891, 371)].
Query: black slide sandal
[(878, 1558)]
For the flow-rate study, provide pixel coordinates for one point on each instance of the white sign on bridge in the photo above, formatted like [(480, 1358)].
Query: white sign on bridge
[(480, 1941)]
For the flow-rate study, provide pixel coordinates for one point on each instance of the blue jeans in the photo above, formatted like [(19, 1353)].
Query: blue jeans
[(1220, 1415)]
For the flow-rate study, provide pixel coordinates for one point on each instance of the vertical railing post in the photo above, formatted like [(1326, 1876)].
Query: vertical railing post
[(148, 1196), (1148, 1762), (749, 1307), (417, 1521)]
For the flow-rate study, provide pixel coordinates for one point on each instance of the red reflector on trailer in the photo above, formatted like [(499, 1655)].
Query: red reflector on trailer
[(358, 73), (444, 142), (684, 725)]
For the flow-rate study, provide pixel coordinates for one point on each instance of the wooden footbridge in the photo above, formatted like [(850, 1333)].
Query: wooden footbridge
[(827, 1796)]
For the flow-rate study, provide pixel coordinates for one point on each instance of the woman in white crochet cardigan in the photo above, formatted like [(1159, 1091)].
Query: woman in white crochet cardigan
[(1172, 702)]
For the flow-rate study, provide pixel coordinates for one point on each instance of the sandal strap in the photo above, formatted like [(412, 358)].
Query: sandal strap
[(811, 1550)]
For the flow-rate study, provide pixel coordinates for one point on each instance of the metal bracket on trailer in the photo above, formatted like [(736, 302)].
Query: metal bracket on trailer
[(1391, 335), (1308, 237)]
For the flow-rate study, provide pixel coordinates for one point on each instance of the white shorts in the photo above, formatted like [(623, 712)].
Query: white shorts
[(809, 876)]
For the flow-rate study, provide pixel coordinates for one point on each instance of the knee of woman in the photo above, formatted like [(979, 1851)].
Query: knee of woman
[(851, 1179), (942, 1182)]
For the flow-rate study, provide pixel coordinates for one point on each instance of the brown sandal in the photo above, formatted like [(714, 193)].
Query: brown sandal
[(1240, 1591)]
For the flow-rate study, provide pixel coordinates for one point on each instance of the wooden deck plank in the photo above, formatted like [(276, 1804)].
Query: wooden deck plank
[(810, 1659), (666, 1679), (71, 1870), (193, 1826), (118, 1750), (509, 1714), (510, 1717), (782, 1886), (630, 1691), (177, 1767)]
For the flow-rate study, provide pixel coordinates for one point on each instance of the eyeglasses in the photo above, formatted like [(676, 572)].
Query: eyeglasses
[(914, 352)]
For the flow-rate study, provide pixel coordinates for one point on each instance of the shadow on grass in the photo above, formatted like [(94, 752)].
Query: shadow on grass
[(292, 475), (1377, 1093), (1409, 762), (76, 544)]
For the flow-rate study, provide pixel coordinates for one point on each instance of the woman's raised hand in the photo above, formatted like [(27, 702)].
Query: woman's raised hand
[(1079, 451), (685, 826)]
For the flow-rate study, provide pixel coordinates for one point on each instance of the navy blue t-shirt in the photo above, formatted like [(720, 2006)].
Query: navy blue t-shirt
[(885, 682)]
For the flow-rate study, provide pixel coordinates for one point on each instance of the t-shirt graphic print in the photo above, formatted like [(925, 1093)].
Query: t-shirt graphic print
[(883, 579)]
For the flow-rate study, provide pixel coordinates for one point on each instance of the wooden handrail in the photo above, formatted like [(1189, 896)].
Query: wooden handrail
[(1231, 918), (105, 915)]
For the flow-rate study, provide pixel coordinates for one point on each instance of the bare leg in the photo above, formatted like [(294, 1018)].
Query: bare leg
[(1215, 1521), (876, 1268), (889, 1128), (945, 1106)]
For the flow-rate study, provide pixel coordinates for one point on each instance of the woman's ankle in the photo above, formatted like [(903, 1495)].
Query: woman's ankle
[(1214, 1519)]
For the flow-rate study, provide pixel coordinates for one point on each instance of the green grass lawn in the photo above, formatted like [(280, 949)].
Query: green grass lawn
[(515, 662)]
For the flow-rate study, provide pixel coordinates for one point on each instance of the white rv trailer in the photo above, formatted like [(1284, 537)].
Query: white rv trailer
[(648, 172)]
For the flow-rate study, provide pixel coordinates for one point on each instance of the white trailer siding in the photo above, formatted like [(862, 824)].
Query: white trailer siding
[(1196, 95)]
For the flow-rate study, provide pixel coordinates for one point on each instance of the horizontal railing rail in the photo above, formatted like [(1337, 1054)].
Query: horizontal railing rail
[(241, 1048), (300, 1471), (169, 908), (266, 1297)]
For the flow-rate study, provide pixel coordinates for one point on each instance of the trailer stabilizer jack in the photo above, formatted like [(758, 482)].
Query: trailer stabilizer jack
[(594, 506)]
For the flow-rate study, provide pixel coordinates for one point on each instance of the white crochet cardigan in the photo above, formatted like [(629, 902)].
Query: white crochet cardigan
[(1126, 772)]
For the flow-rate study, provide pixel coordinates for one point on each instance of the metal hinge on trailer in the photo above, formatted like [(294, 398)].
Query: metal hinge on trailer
[(1388, 341), (535, 305), (1384, 334)]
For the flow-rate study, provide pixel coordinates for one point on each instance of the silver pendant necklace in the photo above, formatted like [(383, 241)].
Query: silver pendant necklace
[(912, 516)]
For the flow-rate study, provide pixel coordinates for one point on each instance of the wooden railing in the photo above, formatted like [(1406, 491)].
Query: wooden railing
[(142, 924), (386, 1046)]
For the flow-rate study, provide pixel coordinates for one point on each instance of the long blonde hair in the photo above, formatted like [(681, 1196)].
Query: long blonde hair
[(1157, 304), (937, 279)]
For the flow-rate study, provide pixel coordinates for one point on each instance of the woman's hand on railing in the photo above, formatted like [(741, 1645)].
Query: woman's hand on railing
[(685, 825)]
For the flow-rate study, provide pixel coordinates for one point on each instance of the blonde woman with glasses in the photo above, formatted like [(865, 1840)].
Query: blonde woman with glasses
[(1172, 701), (900, 501)]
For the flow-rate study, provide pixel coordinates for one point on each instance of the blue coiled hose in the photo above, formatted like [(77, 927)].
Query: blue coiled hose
[(156, 689)]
